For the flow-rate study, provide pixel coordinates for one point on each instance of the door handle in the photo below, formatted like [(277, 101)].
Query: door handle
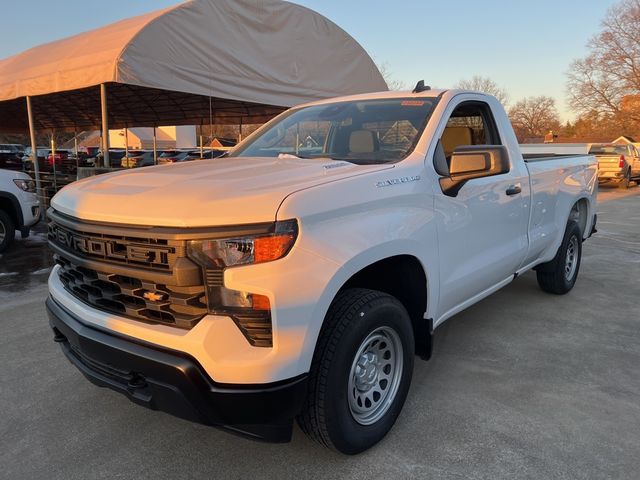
[(514, 190)]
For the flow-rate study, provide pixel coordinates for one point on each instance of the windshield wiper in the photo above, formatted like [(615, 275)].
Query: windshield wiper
[(294, 155), (357, 161)]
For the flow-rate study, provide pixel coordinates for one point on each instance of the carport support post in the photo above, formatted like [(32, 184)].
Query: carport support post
[(105, 125), (34, 153), (126, 142), (75, 149), (53, 161), (201, 143), (155, 147)]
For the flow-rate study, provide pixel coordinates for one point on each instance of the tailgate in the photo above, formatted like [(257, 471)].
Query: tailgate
[(609, 163)]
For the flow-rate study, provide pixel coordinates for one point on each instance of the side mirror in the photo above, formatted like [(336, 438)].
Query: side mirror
[(475, 161)]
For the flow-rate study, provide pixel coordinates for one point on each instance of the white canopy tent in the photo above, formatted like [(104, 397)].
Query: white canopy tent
[(202, 61), (247, 55)]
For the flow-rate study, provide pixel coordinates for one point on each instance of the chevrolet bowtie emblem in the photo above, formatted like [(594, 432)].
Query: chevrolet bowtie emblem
[(154, 296)]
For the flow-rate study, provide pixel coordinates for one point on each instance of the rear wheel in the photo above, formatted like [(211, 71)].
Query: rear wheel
[(7, 231), (626, 181), (360, 373), (559, 275)]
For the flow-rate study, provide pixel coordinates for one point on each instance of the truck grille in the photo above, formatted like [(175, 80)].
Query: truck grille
[(144, 274), (147, 253), (134, 298)]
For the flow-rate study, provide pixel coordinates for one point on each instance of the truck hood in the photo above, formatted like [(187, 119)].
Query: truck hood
[(200, 193)]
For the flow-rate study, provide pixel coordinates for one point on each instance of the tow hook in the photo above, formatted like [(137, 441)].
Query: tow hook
[(58, 337), (136, 382)]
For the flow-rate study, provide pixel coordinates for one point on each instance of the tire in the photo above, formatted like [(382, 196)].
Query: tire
[(7, 231), (360, 323), (626, 181), (559, 275)]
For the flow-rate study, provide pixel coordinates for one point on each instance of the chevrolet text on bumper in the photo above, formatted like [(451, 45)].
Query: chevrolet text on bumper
[(298, 278)]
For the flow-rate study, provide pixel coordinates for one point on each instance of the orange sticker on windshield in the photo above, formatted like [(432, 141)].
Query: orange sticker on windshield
[(412, 103)]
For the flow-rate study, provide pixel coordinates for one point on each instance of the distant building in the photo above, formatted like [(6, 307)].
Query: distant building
[(166, 137), (625, 140), (220, 142)]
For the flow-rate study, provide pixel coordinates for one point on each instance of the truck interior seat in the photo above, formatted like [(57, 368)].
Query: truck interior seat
[(454, 137), (363, 141)]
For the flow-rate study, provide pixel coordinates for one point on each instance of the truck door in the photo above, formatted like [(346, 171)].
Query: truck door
[(482, 229)]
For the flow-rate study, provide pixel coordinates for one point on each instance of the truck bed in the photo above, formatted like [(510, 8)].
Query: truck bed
[(542, 157)]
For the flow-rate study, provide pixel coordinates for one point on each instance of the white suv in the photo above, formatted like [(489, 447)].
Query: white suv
[(19, 207)]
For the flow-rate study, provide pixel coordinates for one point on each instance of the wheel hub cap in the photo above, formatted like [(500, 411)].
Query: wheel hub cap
[(367, 371), (571, 261), (375, 375)]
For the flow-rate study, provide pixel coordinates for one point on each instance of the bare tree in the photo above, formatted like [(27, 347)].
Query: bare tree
[(486, 85), (607, 81), (534, 117), (392, 83)]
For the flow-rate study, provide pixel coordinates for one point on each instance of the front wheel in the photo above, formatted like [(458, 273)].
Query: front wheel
[(7, 231), (559, 275), (361, 371)]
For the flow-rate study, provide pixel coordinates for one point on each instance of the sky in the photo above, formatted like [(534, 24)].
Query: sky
[(524, 46)]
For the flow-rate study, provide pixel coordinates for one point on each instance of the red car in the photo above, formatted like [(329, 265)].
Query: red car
[(65, 161)]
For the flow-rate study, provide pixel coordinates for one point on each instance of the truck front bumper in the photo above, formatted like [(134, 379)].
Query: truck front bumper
[(175, 383)]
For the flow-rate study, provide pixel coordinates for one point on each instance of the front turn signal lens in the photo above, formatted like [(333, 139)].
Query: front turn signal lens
[(266, 249), (260, 302)]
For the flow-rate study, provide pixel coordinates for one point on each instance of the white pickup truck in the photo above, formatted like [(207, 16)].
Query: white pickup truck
[(19, 206), (299, 276)]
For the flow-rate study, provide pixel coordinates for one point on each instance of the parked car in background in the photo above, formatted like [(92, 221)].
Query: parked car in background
[(10, 160), (90, 152), (172, 156), (63, 161), (115, 157), (616, 163), (27, 158), (137, 158), (19, 207), (12, 148), (207, 154)]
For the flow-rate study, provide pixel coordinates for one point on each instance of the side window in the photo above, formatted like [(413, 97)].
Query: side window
[(471, 123)]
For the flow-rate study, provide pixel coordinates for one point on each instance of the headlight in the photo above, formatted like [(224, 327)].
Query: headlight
[(250, 311), (229, 252), (26, 185)]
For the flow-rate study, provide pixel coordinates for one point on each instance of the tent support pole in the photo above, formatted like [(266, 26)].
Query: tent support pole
[(126, 142), (105, 125), (155, 147), (75, 150), (53, 160), (34, 154), (201, 143)]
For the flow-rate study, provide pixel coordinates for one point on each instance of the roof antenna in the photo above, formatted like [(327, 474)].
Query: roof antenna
[(421, 87)]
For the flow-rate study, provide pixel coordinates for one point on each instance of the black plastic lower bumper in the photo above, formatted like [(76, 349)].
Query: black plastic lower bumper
[(175, 383)]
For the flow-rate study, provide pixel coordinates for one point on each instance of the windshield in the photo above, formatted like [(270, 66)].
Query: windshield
[(363, 132), (608, 149)]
